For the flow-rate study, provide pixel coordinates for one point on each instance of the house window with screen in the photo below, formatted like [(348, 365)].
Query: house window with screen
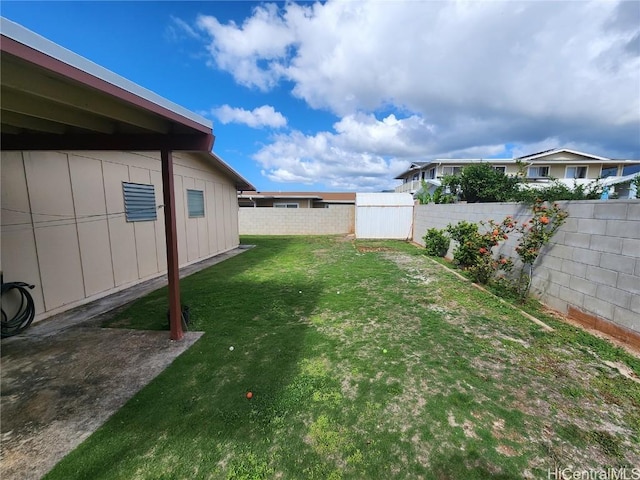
[(576, 172), (139, 202), (285, 205), (195, 203), (537, 172), (432, 173), (609, 171), (500, 169)]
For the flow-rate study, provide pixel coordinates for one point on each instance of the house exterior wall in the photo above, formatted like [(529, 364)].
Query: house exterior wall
[(335, 220), (592, 263), (64, 230)]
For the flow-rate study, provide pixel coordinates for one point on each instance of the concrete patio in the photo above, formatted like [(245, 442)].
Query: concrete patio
[(65, 376)]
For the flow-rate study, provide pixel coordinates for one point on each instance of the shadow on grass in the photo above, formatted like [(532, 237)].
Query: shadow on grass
[(187, 415), (469, 465)]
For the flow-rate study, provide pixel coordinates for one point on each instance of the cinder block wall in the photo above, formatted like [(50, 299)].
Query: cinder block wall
[(591, 266), (335, 220)]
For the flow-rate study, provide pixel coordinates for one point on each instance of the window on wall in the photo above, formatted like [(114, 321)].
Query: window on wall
[(500, 169), (432, 173), (139, 202), (609, 171), (285, 205), (451, 170), (576, 172), (195, 203), (537, 172)]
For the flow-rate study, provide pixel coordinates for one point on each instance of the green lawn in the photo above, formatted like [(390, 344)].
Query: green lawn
[(366, 360)]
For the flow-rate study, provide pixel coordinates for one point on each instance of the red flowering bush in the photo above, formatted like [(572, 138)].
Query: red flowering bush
[(486, 265), (475, 253), (536, 233)]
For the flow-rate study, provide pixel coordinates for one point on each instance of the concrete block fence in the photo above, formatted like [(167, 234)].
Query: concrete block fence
[(335, 220), (591, 268)]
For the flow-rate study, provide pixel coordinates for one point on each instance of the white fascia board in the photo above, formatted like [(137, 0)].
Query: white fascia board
[(559, 150)]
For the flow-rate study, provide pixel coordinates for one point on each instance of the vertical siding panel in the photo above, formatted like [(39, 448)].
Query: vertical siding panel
[(93, 233), (181, 224), (121, 233), (144, 231), (191, 223), (201, 223), (55, 231), (220, 217), (19, 258), (229, 198), (161, 244), (212, 217)]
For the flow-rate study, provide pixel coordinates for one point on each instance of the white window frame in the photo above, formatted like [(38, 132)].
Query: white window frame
[(193, 210), (286, 205), (537, 168), (586, 171), (432, 173), (500, 168), (455, 169)]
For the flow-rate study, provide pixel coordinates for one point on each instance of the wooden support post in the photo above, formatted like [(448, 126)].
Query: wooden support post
[(173, 269)]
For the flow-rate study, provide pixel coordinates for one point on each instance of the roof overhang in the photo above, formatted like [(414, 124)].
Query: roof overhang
[(240, 183), (54, 99)]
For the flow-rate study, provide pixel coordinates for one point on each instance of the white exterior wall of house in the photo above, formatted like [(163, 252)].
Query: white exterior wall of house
[(63, 227), (561, 165)]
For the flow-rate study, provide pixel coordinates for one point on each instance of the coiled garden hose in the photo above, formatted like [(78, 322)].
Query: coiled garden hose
[(24, 314)]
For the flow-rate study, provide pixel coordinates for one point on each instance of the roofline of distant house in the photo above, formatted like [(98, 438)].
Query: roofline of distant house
[(556, 150), (509, 161), (249, 195), (33, 48)]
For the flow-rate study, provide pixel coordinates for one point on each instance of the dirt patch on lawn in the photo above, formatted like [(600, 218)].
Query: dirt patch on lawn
[(58, 389), (365, 249)]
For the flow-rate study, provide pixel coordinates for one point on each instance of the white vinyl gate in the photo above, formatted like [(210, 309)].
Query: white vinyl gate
[(384, 215)]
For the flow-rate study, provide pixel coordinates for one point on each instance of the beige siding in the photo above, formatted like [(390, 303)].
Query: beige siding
[(161, 243), (121, 234), (219, 233), (191, 224), (93, 231), (19, 255), (201, 223), (64, 228), (55, 228), (556, 171)]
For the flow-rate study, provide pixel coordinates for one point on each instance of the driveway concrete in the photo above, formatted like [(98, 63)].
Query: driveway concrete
[(64, 377)]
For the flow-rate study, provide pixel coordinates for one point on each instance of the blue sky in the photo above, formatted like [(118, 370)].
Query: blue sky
[(343, 96)]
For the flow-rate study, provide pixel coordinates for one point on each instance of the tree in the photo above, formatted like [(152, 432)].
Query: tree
[(482, 183)]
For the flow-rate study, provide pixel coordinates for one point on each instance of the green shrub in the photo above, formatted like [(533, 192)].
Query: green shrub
[(483, 183), (436, 242), (474, 252), (466, 234)]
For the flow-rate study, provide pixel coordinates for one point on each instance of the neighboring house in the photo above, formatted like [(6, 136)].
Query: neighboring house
[(104, 183), (568, 166), (295, 199)]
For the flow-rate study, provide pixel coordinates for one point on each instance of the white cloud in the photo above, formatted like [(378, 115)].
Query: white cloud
[(264, 116), (465, 77), (263, 37), (361, 153), (178, 29)]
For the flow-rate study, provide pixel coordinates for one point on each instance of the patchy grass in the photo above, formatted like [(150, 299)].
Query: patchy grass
[(366, 360)]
